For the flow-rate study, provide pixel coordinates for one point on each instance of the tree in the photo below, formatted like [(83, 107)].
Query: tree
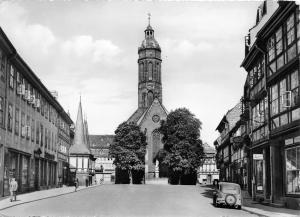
[(129, 149), (183, 150)]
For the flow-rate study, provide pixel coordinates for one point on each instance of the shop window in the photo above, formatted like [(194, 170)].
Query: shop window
[(17, 121), (25, 170), (1, 112), (258, 173), (10, 118), (293, 170)]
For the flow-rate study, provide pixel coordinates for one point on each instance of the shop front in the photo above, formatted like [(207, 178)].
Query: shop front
[(16, 165), (292, 171), (261, 173), (63, 168)]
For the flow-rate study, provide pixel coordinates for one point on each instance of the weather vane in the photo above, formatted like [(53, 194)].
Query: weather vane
[(149, 17)]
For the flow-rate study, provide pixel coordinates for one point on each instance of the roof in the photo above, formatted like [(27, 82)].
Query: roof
[(231, 117), (149, 43), (207, 149), (155, 101), (136, 115), (101, 141), (80, 145)]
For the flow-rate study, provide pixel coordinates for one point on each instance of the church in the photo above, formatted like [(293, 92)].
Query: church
[(150, 109)]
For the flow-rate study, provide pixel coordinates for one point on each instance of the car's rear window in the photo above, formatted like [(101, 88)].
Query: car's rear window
[(230, 189)]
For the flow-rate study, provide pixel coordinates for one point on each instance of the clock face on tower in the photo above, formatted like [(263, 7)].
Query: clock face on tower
[(155, 118)]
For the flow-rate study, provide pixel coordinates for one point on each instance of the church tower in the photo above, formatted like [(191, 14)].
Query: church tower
[(149, 63), (150, 109)]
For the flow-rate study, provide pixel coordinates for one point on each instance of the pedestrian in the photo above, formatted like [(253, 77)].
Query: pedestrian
[(86, 182), (76, 182), (13, 187)]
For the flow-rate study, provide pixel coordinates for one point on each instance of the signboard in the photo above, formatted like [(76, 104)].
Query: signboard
[(258, 157), (289, 141), (297, 139), (237, 139)]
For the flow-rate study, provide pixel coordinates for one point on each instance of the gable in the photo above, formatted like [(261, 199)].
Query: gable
[(153, 114)]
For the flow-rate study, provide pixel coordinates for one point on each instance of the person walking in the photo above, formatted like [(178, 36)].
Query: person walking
[(13, 187), (76, 182)]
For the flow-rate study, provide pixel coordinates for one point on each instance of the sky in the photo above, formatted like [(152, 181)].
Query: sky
[(89, 48)]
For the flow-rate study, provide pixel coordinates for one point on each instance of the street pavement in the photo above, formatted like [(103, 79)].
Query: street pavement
[(124, 200)]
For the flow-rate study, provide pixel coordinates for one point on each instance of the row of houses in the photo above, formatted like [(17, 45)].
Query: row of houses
[(36, 133), (259, 142)]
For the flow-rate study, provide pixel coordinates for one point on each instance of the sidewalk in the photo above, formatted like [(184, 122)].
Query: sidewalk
[(40, 195), (263, 210)]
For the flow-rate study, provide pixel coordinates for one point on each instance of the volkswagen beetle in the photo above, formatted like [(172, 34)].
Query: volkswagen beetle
[(228, 194)]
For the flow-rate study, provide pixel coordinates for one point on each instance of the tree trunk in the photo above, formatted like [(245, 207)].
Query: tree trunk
[(130, 177)]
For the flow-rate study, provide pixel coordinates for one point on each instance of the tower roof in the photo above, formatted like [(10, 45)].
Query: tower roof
[(80, 145), (149, 41)]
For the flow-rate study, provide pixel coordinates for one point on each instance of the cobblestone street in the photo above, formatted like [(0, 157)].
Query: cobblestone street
[(126, 200)]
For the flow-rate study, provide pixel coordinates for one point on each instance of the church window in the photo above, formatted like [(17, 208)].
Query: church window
[(144, 99), (150, 66), (155, 73), (141, 74), (158, 72), (150, 98)]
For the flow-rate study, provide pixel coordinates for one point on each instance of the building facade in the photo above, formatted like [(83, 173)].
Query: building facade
[(272, 103), (104, 167), (232, 147), (81, 160), (208, 172), (150, 108), (29, 128)]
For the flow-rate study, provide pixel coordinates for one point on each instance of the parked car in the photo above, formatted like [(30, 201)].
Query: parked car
[(228, 194)]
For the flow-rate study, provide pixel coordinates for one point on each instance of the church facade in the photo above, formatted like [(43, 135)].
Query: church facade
[(150, 109)]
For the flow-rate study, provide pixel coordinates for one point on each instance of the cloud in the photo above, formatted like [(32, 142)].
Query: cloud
[(185, 48), (34, 37), (86, 46)]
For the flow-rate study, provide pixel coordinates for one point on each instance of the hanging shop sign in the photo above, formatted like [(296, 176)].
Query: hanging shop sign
[(236, 139), (258, 157)]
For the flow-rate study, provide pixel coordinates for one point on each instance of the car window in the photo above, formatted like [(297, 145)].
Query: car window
[(230, 189)]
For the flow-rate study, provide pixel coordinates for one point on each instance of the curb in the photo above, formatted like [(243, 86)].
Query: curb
[(57, 195), (251, 212)]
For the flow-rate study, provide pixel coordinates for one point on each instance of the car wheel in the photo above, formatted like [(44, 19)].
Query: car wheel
[(230, 199)]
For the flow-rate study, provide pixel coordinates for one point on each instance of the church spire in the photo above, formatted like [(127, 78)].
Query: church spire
[(80, 145)]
